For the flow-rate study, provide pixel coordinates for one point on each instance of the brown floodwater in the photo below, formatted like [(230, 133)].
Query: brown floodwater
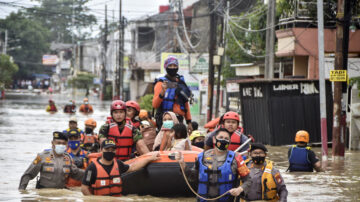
[(26, 129)]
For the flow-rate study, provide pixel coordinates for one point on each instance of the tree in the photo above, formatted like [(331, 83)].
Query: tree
[(146, 102), (63, 17), (28, 42), (7, 69), (82, 80)]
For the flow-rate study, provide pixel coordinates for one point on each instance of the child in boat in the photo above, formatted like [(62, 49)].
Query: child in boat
[(179, 138)]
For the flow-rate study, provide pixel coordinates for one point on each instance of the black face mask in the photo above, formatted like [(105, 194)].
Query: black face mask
[(88, 130), (109, 156), (258, 159), (222, 144), (172, 72), (199, 144)]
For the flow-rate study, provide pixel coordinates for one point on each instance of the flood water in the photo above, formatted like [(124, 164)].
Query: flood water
[(26, 129)]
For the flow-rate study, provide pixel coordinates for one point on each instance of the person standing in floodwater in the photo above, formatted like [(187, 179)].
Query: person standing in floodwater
[(301, 157)]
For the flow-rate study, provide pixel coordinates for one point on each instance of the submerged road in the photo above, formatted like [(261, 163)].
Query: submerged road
[(26, 129)]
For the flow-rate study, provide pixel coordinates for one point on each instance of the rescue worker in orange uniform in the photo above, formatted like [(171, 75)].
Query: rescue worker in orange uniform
[(301, 157), (90, 140), (218, 170), (86, 107), (267, 182), (122, 132), (172, 94), (51, 107), (231, 122), (132, 113), (103, 176), (78, 155)]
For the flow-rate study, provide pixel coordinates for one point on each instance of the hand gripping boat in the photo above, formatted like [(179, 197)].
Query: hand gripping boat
[(160, 178)]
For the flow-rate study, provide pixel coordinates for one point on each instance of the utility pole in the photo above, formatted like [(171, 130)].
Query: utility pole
[(340, 63), (103, 72), (224, 30), (323, 123), (270, 40), (6, 41), (212, 47), (121, 52)]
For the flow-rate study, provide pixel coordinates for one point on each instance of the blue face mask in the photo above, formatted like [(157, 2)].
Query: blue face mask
[(168, 124), (74, 144)]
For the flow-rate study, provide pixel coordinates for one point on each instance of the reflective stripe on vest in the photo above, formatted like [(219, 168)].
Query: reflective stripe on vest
[(105, 184), (268, 185), (169, 97), (299, 160), (123, 141), (235, 140), (226, 178)]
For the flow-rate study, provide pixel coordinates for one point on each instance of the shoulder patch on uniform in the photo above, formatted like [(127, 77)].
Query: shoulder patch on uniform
[(37, 160), (278, 178)]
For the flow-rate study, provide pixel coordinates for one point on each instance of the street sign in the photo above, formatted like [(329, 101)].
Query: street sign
[(338, 75)]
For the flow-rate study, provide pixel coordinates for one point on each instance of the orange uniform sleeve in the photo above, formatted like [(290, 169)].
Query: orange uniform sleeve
[(243, 170), (156, 99)]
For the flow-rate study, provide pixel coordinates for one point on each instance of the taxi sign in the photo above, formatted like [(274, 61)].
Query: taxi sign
[(338, 75)]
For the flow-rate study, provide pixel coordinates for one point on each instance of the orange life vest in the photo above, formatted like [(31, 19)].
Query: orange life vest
[(136, 124), (123, 141), (70, 181), (105, 184), (235, 140), (89, 139)]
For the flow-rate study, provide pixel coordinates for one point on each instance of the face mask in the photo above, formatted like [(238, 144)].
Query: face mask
[(258, 159), (74, 144), (168, 124), (199, 144), (86, 103), (172, 72), (60, 148), (88, 130), (222, 144), (109, 156)]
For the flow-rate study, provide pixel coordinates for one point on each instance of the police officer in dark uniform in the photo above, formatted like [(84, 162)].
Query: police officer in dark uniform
[(54, 165)]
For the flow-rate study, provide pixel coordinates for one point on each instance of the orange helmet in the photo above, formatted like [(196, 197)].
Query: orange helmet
[(302, 136), (90, 122), (143, 114), (133, 104), (231, 115)]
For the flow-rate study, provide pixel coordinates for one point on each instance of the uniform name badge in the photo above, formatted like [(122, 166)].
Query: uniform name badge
[(116, 180), (102, 182)]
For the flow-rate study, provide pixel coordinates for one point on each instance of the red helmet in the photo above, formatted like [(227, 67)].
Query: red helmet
[(117, 104), (133, 104), (231, 115)]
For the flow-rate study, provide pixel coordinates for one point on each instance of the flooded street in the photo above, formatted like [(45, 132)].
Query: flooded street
[(26, 129)]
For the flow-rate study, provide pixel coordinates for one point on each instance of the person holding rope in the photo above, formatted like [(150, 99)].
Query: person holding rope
[(217, 171)]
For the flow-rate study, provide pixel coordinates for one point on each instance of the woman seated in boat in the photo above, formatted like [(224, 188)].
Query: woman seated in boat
[(169, 120), (177, 140)]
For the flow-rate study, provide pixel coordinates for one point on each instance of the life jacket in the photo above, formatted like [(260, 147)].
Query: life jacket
[(299, 160), (89, 139), (123, 141), (226, 178), (53, 108), (170, 94), (136, 124), (235, 140), (268, 185), (105, 184)]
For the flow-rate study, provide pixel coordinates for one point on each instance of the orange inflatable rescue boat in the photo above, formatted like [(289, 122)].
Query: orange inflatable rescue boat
[(160, 178)]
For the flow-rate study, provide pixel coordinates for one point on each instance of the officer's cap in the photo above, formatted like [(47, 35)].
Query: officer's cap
[(108, 143), (254, 146), (59, 136), (73, 133)]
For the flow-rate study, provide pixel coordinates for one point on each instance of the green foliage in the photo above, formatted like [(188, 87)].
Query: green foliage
[(146, 102), (63, 17), (82, 80), (28, 40), (7, 70)]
